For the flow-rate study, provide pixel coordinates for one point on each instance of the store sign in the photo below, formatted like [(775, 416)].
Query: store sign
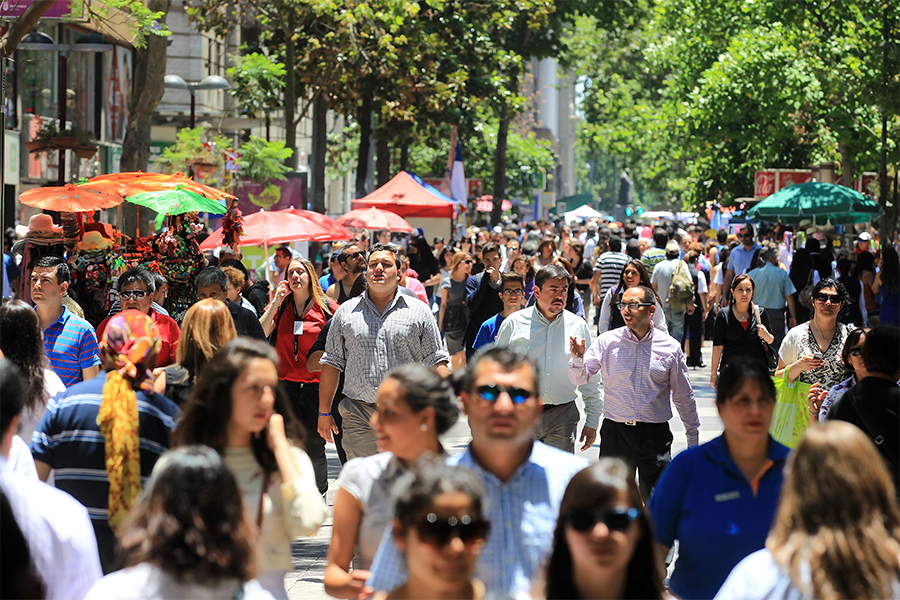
[(770, 181), (474, 187), (11, 9)]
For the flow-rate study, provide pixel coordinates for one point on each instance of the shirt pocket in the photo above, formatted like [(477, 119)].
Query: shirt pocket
[(659, 369)]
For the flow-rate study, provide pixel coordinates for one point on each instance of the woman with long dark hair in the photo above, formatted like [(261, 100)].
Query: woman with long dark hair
[(865, 272), (238, 409), (852, 314), (821, 399), (837, 530), (603, 543), (634, 274), (453, 316), (188, 537), (801, 274), (523, 267), (887, 285), (424, 263)]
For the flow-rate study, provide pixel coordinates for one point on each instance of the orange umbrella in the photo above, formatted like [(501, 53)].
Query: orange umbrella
[(133, 183), (69, 198), (375, 218)]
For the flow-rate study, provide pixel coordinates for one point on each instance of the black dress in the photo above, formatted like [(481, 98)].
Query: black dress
[(735, 340)]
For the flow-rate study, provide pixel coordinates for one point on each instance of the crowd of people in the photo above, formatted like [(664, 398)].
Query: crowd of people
[(146, 458)]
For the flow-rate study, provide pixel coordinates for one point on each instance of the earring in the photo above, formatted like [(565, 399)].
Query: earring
[(423, 427)]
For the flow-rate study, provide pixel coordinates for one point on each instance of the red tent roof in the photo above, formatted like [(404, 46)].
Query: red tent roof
[(406, 197)]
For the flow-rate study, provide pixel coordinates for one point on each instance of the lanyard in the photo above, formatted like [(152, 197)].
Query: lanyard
[(297, 318)]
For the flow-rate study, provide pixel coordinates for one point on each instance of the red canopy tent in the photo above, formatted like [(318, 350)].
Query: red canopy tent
[(406, 197)]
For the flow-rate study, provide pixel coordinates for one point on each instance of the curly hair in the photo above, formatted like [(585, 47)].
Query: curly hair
[(190, 521), (208, 412), (22, 344)]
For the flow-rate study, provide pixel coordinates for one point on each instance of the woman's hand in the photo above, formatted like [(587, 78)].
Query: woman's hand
[(576, 348), (275, 435), (809, 362), (764, 334), (815, 398), (714, 381), (281, 292)]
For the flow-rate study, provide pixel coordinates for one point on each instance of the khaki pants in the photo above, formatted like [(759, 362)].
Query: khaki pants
[(558, 426), (358, 435)]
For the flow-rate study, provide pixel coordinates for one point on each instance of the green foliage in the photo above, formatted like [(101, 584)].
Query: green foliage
[(189, 150), (257, 83), (142, 21), (261, 161)]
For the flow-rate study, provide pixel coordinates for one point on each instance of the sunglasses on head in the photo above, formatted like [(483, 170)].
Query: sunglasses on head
[(438, 531), (829, 298), (616, 518), (136, 294), (492, 391)]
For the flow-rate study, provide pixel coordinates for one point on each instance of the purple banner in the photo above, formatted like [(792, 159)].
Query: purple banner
[(278, 194), (10, 9)]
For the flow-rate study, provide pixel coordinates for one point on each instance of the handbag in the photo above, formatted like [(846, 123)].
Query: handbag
[(771, 357), (791, 416), (805, 295)]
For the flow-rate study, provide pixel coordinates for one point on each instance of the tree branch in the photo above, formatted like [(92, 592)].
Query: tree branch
[(23, 25)]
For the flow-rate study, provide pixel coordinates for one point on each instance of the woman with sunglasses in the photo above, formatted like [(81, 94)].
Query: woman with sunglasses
[(821, 399), (634, 274), (811, 351), (740, 329), (413, 407), (603, 542), (718, 499), (439, 527), (454, 314)]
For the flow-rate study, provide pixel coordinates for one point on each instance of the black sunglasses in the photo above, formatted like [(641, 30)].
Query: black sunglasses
[(616, 519), (829, 298), (355, 255), (492, 391), (438, 531), (468, 261), (136, 294)]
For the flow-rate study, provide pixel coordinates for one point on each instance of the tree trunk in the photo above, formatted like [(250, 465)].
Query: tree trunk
[(846, 165), (887, 220), (319, 150), (404, 156), (290, 90), (364, 117), (499, 190), (383, 160), (149, 71)]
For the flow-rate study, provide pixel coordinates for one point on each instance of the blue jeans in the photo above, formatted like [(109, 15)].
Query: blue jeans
[(675, 323)]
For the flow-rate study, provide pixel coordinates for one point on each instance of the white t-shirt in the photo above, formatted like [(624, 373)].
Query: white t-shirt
[(148, 582)]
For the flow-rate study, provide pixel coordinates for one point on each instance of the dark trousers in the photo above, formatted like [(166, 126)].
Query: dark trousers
[(777, 326), (694, 325), (644, 446), (304, 399), (107, 547), (339, 422)]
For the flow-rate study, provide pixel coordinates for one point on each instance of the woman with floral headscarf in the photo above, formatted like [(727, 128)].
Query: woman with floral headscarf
[(104, 435)]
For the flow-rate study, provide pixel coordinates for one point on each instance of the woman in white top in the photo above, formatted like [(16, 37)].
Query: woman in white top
[(413, 407), (837, 530), (188, 538), (634, 273), (22, 344), (238, 408)]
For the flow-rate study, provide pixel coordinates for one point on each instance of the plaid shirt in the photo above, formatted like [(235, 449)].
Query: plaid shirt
[(366, 344), (638, 378)]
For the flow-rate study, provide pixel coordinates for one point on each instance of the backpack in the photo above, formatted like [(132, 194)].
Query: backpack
[(681, 292)]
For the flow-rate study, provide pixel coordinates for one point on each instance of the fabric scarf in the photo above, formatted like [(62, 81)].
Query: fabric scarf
[(130, 341)]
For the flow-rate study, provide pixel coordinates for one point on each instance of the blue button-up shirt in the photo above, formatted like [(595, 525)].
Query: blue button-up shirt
[(522, 512), (739, 259), (773, 285)]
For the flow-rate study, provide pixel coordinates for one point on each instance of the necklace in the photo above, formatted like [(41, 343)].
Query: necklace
[(740, 317)]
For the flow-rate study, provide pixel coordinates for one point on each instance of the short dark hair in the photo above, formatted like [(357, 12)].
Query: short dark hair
[(510, 277), (345, 252), (506, 357), (392, 248), (422, 388), (380, 231), (660, 237), (190, 520), (160, 281), (551, 271), (615, 244), (429, 477), (490, 247), (881, 350), (750, 227), (647, 294), (632, 249), (136, 274), (285, 252), (211, 276), (722, 236), (852, 340), (12, 393), (49, 261), (738, 371)]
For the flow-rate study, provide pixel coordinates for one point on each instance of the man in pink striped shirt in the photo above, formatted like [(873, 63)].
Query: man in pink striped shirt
[(642, 368)]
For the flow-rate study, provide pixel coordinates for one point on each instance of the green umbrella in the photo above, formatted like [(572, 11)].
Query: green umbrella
[(177, 201), (820, 203)]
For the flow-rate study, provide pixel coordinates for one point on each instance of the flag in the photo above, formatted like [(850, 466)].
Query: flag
[(458, 188)]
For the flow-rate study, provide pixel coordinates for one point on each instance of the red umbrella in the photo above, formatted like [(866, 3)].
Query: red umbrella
[(375, 218), (266, 228), (338, 231)]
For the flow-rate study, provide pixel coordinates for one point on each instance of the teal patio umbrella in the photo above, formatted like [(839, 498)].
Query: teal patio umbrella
[(822, 203)]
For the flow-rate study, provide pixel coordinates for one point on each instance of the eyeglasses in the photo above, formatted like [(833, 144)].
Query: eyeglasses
[(468, 261), (355, 255), (136, 294), (632, 305), (615, 519), (856, 351), (491, 393), (829, 298), (436, 531), (747, 236), (513, 292)]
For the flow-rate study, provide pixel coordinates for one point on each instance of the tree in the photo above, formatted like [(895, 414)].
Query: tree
[(258, 84)]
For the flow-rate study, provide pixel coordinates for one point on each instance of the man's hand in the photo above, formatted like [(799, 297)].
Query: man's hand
[(326, 427), (588, 435), (575, 347), (494, 274)]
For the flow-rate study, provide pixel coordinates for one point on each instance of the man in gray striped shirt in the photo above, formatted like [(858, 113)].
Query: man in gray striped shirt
[(370, 335), (607, 271)]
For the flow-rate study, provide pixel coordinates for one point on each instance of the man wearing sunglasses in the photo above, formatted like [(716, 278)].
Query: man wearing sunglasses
[(524, 480), (352, 260), (642, 367), (738, 261), (135, 288), (542, 332)]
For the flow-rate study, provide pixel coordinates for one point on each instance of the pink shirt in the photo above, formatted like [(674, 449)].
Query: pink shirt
[(414, 285), (638, 378)]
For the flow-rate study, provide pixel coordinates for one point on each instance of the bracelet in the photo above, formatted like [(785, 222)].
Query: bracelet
[(328, 414)]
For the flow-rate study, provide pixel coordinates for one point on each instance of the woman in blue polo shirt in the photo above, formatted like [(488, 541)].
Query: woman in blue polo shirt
[(719, 499)]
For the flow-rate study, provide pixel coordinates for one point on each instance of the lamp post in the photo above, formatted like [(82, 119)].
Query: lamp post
[(211, 82)]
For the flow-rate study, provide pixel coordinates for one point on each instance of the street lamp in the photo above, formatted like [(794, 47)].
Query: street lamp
[(210, 82)]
